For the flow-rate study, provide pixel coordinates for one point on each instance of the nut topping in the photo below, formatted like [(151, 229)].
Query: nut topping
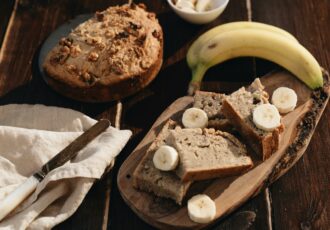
[(66, 41), (140, 40), (156, 34), (65, 49), (75, 50), (58, 58), (134, 26), (93, 40), (93, 56), (72, 69)]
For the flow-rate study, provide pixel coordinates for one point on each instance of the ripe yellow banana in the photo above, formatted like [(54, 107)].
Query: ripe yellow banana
[(192, 55), (266, 44)]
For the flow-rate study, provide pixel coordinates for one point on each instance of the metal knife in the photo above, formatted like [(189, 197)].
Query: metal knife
[(11, 201)]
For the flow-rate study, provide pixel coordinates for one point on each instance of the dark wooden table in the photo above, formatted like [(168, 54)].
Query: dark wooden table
[(299, 200)]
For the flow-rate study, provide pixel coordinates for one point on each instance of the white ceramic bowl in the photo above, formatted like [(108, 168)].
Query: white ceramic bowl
[(201, 17)]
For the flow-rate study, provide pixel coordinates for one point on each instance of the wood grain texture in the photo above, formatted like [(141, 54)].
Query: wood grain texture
[(300, 199), (6, 8), (229, 192)]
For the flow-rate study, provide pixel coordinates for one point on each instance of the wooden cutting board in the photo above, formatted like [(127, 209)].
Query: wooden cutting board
[(231, 192)]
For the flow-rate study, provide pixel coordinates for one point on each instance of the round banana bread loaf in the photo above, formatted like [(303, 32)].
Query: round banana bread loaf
[(110, 56)]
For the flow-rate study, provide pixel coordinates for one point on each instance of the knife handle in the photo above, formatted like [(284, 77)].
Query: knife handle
[(10, 202)]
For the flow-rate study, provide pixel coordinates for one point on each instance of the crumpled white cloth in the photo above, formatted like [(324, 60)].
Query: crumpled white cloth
[(30, 135)]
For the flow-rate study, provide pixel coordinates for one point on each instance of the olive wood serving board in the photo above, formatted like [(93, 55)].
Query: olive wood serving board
[(230, 192)]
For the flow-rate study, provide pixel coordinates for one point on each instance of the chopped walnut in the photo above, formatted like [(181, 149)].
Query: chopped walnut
[(72, 69), (140, 40), (156, 34), (113, 50), (65, 50), (87, 77), (75, 50), (134, 26), (93, 56), (99, 16), (66, 41), (116, 67), (58, 58), (93, 40), (100, 46), (144, 64), (138, 52), (109, 34)]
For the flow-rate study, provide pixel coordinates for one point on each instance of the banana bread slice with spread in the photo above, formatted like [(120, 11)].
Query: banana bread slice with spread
[(207, 153), (112, 55), (211, 103), (163, 184), (238, 109)]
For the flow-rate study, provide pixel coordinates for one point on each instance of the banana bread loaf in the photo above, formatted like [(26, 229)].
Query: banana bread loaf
[(238, 109), (211, 103), (206, 154), (112, 55), (163, 184)]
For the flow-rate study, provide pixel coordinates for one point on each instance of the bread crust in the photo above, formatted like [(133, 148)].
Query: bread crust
[(99, 93), (177, 190), (264, 146), (205, 173)]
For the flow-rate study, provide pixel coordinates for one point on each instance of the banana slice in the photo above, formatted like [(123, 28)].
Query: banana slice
[(185, 4), (203, 5), (166, 158), (201, 209), (285, 99), (194, 118), (266, 117), (190, 10)]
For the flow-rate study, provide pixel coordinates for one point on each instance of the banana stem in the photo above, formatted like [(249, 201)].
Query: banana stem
[(197, 77)]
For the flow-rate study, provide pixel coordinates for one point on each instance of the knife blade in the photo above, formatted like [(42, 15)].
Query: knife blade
[(10, 202)]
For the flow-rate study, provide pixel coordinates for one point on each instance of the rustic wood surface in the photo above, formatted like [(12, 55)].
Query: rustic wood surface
[(299, 200)]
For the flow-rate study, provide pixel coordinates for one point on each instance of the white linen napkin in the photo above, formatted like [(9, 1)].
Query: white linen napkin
[(30, 135)]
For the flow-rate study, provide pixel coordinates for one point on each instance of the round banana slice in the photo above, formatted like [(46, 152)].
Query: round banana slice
[(166, 158), (203, 5), (285, 99), (185, 4), (201, 209), (266, 117), (194, 118)]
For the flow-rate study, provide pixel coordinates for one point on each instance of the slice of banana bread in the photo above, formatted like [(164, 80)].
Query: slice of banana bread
[(207, 153), (163, 184), (238, 109), (211, 103)]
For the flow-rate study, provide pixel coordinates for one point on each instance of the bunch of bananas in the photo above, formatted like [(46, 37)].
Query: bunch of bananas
[(241, 39)]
